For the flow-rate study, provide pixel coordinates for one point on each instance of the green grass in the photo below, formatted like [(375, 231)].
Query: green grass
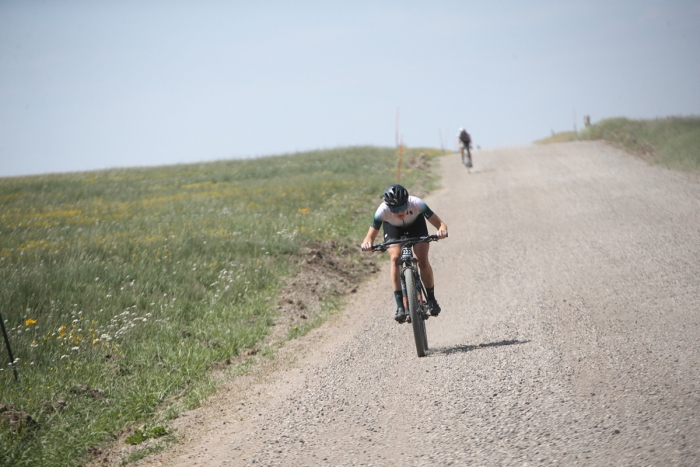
[(563, 137), (673, 142), (122, 288)]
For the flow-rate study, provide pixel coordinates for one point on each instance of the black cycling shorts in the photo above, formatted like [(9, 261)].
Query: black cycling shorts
[(418, 229)]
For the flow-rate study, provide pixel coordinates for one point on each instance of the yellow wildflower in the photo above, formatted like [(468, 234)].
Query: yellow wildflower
[(29, 322)]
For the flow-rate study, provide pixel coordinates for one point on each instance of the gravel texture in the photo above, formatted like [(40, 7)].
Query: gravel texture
[(570, 289)]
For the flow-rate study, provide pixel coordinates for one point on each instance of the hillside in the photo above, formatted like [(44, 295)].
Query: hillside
[(123, 289)]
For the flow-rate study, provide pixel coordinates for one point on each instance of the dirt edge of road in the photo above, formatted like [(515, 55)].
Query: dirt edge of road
[(327, 271), (241, 397)]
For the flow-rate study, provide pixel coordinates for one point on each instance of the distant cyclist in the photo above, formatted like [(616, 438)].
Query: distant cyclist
[(465, 142), (403, 215)]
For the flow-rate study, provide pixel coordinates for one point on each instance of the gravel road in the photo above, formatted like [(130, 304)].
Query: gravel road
[(570, 289)]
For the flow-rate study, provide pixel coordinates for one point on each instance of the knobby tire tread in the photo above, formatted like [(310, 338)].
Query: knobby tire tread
[(419, 333)]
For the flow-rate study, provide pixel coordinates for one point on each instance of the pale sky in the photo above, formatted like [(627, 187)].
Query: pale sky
[(96, 84)]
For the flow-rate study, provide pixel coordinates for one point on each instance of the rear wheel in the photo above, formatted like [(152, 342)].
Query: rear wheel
[(419, 334)]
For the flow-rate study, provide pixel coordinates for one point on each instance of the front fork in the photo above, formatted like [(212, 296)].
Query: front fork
[(419, 284)]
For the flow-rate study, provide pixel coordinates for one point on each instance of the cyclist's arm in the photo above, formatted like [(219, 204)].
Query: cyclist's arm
[(439, 225), (369, 239)]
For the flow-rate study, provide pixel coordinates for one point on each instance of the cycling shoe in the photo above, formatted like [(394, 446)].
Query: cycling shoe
[(400, 315), (433, 307)]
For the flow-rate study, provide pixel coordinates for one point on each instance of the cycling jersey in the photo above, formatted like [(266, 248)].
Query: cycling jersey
[(415, 207), (417, 229)]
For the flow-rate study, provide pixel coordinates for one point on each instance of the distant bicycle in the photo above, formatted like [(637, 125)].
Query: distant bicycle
[(466, 155), (412, 288), (465, 143)]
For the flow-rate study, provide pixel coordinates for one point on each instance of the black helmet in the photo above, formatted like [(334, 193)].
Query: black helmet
[(395, 195)]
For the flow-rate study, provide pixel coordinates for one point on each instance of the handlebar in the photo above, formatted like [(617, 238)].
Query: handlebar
[(405, 241)]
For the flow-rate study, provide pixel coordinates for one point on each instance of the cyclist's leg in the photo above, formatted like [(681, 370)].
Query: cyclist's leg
[(421, 251), (426, 274), (420, 229), (426, 270), (395, 253), (393, 233)]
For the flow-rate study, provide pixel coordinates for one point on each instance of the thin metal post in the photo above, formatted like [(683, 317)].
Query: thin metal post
[(396, 135), (398, 168), (7, 344)]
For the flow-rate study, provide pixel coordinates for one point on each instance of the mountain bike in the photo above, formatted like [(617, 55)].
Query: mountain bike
[(412, 287)]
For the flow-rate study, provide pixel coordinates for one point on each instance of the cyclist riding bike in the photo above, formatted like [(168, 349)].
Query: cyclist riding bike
[(401, 215), (465, 142)]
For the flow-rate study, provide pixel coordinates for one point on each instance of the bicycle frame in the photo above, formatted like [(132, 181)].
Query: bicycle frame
[(409, 263), (414, 292)]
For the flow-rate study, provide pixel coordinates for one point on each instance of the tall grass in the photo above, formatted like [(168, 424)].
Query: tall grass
[(562, 137), (122, 287), (673, 142)]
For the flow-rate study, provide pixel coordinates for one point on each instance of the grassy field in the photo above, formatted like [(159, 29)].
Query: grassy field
[(673, 142), (563, 137), (122, 288)]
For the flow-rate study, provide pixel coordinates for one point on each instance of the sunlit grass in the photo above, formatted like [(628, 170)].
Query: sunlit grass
[(562, 137), (122, 287), (672, 142)]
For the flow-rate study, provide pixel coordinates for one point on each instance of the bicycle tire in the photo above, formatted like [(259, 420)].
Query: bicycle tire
[(423, 311), (425, 336), (419, 334)]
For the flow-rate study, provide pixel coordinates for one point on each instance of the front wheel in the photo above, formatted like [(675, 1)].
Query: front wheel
[(419, 334)]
